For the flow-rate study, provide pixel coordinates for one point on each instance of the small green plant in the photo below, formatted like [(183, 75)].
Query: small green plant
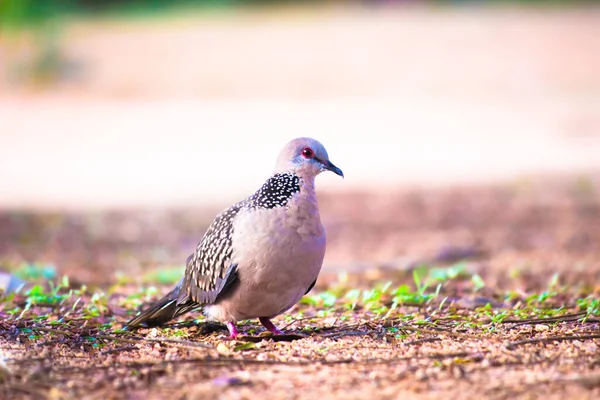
[(458, 270), (478, 282), (419, 275), (590, 305)]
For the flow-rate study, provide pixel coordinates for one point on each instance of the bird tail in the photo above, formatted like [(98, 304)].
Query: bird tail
[(162, 311)]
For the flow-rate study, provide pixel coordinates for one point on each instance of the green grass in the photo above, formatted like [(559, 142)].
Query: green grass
[(423, 302)]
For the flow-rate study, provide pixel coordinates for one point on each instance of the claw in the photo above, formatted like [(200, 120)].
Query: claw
[(233, 332), (266, 322)]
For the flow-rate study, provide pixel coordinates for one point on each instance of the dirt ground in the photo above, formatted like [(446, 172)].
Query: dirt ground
[(507, 98), (515, 237)]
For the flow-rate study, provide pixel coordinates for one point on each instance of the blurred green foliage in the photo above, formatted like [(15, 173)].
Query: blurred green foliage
[(18, 13)]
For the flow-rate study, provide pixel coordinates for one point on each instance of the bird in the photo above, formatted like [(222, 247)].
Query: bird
[(259, 256)]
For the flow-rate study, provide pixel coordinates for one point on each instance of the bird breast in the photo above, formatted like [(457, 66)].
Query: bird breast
[(279, 253)]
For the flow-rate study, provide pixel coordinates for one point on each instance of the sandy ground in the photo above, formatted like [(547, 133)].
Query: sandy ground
[(515, 237), (190, 110), (498, 107)]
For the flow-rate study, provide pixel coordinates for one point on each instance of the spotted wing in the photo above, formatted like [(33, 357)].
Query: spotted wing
[(209, 270)]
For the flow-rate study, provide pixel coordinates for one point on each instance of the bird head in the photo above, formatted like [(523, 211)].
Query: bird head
[(305, 157)]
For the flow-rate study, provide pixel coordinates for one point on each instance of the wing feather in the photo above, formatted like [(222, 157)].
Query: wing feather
[(209, 270)]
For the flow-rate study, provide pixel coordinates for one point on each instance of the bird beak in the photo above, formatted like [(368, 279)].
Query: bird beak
[(328, 165)]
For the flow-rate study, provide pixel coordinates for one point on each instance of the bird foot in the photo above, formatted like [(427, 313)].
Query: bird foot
[(233, 332), (266, 322)]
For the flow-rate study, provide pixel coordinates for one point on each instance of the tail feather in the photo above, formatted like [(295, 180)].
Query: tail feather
[(162, 311)]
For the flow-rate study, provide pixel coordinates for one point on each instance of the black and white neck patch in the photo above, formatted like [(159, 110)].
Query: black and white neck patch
[(276, 191)]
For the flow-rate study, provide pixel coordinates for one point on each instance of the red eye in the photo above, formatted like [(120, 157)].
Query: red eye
[(307, 152)]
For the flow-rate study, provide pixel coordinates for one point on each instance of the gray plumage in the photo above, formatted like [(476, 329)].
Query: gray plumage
[(246, 248)]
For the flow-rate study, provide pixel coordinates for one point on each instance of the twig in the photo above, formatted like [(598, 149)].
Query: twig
[(119, 350), (50, 342), (331, 327), (296, 320), (286, 337), (561, 318), (216, 362), (226, 361), (337, 335), (52, 330), (462, 354), (406, 304), (433, 331), (57, 371), (424, 340), (177, 342), (548, 339)]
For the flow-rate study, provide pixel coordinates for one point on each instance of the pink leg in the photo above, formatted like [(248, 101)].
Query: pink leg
[(269, 325), (233, 332)]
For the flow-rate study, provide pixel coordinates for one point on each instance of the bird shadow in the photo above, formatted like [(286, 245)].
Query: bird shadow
[(286, 337), (207, 328)]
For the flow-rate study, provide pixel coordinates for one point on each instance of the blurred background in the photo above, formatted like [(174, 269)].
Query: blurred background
[(466, 129)]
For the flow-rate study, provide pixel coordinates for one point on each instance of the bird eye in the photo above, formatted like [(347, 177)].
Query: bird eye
[(307, 152)]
